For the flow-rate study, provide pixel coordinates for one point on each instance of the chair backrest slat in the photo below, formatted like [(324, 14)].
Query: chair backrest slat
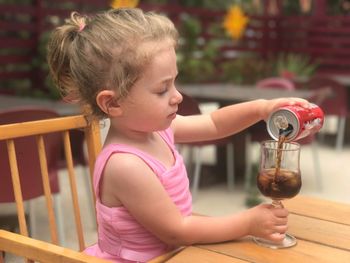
[(16, 184), (94, 145), (46, 186), (73, 187)]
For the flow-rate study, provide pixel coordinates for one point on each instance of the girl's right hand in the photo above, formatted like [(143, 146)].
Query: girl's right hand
[(268, 106), (268, 222)]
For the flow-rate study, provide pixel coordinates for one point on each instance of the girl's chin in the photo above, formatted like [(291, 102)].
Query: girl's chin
[(163, 126)]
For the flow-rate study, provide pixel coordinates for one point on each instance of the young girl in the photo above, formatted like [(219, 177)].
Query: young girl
[(122, 64)]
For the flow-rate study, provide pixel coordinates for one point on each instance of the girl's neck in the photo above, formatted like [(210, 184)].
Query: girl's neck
[(129, 136)]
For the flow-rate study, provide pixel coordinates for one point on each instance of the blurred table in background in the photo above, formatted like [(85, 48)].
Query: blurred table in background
[(61, 107), (226, 94), (343, 79), (221, 93)]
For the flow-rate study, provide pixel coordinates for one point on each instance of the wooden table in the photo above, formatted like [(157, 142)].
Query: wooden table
[(321, 227)]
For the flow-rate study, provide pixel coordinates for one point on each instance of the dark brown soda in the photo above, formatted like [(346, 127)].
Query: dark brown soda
[(279, 183)]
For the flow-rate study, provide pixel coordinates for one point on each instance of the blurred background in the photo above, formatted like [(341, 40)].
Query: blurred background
[(230, 42), (227, 41)]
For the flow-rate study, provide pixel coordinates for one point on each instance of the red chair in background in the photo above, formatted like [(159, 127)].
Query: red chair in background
[(276, 83), (189, 106), (29, 169), (258, 132), (335, 104)]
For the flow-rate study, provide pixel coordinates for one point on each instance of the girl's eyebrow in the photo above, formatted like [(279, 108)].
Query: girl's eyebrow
[(169, 78), (166, 79)]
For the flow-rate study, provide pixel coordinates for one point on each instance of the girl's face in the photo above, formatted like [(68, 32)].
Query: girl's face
[(153, 101)]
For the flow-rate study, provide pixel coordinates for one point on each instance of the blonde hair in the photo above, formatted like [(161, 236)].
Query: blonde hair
[(90, 54)]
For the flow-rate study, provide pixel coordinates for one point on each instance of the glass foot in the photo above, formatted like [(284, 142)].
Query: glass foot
[(288, 241)]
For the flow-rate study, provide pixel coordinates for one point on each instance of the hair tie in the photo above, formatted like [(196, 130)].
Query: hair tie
[(81, 27)]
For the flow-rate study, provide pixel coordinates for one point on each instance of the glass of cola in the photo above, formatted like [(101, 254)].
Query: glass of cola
[(279, 178)]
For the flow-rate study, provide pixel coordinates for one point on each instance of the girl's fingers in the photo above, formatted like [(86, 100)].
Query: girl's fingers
[(298, 101), (277, 237), (281, 229), (281, 221), (280, 212)]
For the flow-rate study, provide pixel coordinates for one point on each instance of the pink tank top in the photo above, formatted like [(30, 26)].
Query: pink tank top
[(120, 237)]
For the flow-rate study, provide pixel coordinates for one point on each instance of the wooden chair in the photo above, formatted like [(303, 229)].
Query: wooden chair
[(21, 244), (29, 168)]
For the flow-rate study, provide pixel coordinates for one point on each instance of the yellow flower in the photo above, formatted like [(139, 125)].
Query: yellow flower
[(124, 3), (235, 22)]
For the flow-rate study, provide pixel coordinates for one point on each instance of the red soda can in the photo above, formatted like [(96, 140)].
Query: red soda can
[(299, 122)]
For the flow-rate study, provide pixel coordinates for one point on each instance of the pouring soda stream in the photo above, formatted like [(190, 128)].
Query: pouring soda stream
[(279, 174)]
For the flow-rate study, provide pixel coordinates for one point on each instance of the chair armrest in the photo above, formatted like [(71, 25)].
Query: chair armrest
[(42, 251)]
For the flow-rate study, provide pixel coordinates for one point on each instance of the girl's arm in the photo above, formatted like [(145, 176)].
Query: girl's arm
[(140, 191), (227, 120)]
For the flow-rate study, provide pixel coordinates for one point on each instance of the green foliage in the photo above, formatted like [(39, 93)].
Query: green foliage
[(295, 65), (39, 63), (250, 68), (247, 5), (293, 7), (195, 55), (246, 69), (154, 1), (15, 1), (213, 5)]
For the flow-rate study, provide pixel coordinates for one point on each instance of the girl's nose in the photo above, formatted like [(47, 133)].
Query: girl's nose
[(177, 97)]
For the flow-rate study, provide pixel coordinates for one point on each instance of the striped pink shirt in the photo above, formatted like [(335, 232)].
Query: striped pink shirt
[(120, 237)]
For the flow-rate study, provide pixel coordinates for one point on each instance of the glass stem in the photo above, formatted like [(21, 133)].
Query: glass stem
[(277, 203)]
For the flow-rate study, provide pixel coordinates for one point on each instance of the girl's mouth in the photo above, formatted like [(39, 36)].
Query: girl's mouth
[(172, 116)]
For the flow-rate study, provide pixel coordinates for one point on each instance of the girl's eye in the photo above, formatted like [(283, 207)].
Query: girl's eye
[(163, 90)]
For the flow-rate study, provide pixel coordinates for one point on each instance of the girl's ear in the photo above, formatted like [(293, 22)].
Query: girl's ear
[(107, 101)]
